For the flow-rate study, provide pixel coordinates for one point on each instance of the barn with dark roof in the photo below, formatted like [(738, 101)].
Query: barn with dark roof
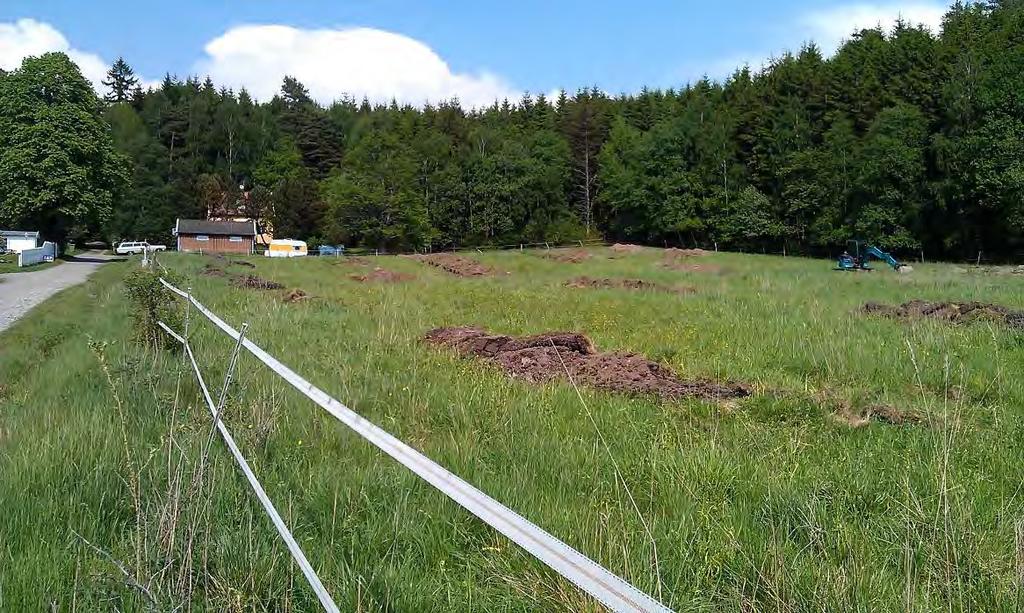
[(200, 236)]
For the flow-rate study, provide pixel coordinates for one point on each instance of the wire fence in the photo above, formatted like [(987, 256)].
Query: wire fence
[(608, 588)]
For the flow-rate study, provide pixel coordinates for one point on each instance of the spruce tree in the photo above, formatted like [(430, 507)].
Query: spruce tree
[(121, 82)]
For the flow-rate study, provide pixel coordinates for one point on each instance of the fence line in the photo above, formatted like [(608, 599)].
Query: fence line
[(609, 589), (261, 494)]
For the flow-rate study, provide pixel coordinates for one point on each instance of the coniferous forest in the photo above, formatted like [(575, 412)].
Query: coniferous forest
[(911, 140)]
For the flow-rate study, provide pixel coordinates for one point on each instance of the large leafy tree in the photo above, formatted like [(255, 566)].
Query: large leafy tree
[(58, 165)]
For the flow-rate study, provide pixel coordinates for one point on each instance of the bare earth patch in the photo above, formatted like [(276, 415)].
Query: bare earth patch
[(211, 270), (626, 249), (627, 284), (295, 295), (567, 256), (382, 275), (675, 254), (546, 357), (242, 263), (883, 413), (254, 282), (455, 264), (953, 312)]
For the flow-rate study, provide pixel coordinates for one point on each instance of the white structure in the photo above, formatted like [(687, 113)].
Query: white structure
[(18, 241)]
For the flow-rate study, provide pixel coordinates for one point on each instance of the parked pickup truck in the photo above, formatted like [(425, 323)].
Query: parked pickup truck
[(134, 247)]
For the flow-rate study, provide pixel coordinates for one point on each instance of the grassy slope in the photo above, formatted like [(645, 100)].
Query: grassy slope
[(769, 503)]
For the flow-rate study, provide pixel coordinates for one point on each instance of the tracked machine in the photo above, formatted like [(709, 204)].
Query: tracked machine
[(859, 254)]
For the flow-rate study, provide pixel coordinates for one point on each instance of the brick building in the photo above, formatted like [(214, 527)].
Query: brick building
[(199, 236)]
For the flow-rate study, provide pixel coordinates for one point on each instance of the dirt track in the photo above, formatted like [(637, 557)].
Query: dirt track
[(21, 291)]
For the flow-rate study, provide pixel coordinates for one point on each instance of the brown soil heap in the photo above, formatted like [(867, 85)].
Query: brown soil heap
[(455, 264), (296, 295), (954, 312), (546, 357), (254, 282), (630, 284), (568, 256), (879, 413), (382, 275), (626, 248), (211, 270), (694, 267), (674, 253)]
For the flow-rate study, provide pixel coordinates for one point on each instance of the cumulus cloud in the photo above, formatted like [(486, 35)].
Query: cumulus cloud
[(28, 37), (827, 28), (332, 63), (830, 27)]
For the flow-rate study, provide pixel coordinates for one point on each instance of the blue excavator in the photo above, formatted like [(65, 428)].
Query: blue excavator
[(858, 254)]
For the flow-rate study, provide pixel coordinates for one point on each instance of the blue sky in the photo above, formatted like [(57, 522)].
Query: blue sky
[(420, 50)]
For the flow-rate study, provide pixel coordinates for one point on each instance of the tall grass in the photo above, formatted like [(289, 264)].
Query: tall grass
[(767, 504)]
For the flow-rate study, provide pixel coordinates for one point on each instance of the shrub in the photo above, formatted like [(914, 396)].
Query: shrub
[(150, 303)]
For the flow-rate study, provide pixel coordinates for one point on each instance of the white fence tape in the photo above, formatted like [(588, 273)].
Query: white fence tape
[(282, 529), (606, 587)]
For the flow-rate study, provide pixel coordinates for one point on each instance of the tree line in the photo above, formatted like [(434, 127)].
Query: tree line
[(907, 139)]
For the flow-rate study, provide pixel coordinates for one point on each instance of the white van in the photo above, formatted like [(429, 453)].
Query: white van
[(286, 248)]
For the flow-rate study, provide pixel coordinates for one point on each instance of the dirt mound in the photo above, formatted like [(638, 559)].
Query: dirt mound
[(568, 256), (350, 260), (628, 284), (254, 282), (694, 267), (242, 263), (626, 248), (882, 413), (211, 270), (673, 253), (455, 264), (953, 312), (382, 275), (546, 357), (295, 295)]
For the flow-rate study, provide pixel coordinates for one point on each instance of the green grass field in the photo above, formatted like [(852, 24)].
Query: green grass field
[(9, 263), (770, 503)]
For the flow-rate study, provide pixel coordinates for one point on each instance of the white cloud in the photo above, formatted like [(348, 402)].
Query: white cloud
[(28, 37), (334, 62), (830, 27), (827, 28)]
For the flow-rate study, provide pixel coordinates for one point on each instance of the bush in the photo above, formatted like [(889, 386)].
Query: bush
[(150, 303)]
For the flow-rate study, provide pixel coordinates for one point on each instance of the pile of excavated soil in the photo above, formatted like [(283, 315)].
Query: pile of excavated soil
[(674, 253), (350, 260), (455, 264), (382, 275), (296, 295), (568, 256), (954, 312), (694, 267), (626, 248), (629, 284), (882, 413), (546, 357), (254, 282), (211, 270)]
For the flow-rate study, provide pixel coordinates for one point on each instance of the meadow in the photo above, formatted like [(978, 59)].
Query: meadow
[(776, 502)]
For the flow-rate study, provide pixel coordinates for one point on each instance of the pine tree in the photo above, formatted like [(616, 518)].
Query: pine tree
[(121, 82)]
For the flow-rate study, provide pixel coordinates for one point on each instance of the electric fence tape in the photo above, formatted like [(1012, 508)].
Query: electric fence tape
[(275, 517), (612, 591)]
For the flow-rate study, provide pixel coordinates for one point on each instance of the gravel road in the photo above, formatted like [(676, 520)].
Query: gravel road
[(21, 291)]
